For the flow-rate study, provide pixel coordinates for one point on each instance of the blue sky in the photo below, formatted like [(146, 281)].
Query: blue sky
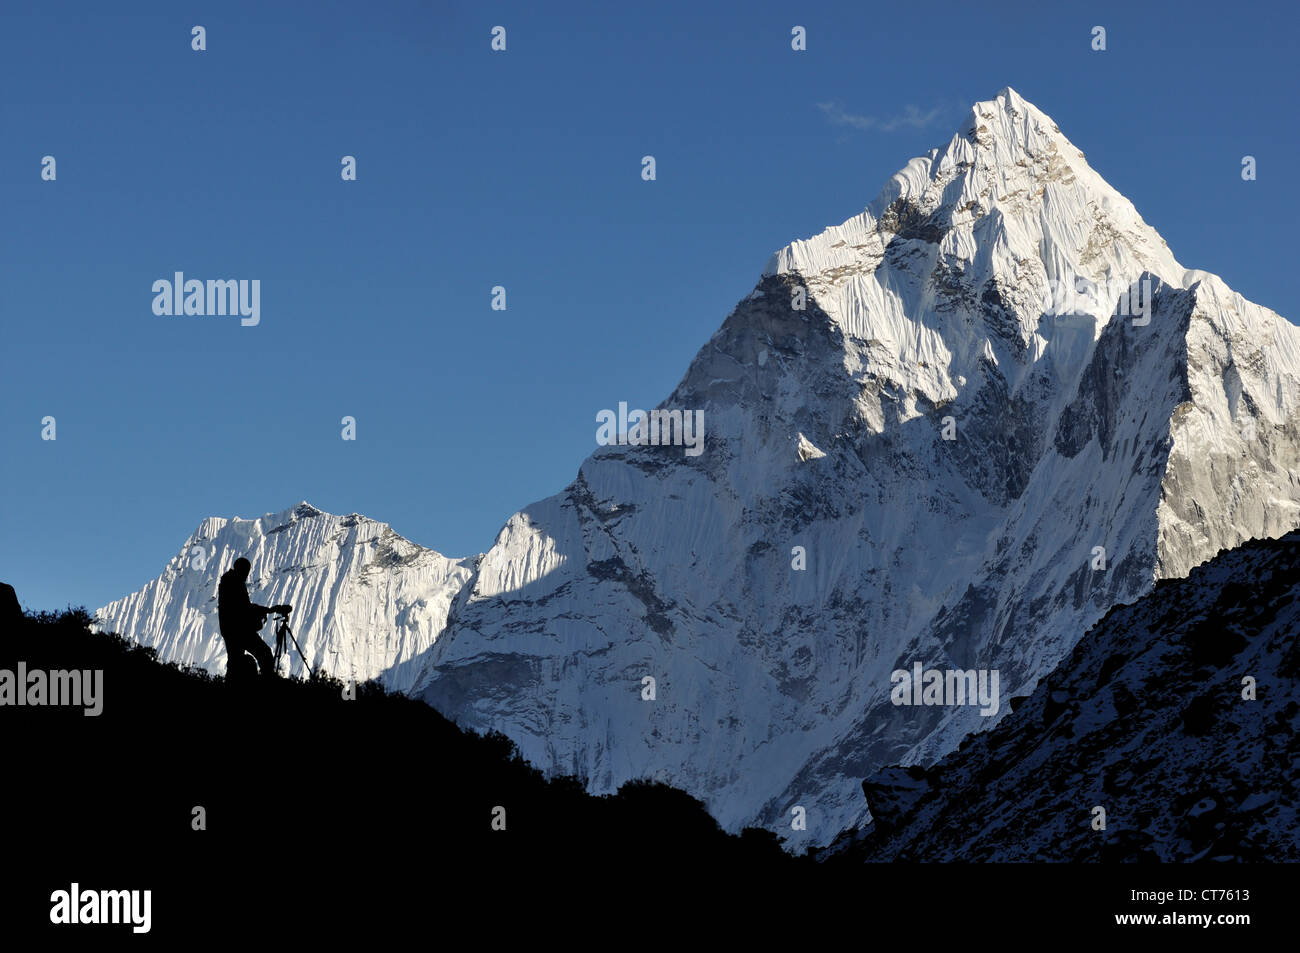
[(519, 169)]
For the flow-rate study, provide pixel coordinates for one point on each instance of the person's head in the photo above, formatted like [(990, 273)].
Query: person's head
[(241, 568)]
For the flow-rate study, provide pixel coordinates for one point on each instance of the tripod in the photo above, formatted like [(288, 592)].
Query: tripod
[(281, 630)]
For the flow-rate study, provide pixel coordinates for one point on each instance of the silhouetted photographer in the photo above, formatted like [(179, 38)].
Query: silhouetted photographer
[(240, 620)]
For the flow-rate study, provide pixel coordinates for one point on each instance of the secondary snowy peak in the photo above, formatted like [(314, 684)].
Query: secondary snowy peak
[(919, 449), (367, 602)]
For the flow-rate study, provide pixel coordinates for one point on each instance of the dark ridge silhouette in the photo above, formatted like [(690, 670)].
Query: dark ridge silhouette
[(368, 820), (291, 773)]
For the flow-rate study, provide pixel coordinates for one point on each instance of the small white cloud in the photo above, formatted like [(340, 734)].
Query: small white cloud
[(912, 117)]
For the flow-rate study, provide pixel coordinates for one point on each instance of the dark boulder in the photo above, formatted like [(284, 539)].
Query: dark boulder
[(11, 613)]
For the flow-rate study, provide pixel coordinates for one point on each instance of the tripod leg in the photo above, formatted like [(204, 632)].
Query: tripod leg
[(300, 655)]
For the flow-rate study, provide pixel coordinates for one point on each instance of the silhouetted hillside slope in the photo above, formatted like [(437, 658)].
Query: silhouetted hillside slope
[(293, 770)]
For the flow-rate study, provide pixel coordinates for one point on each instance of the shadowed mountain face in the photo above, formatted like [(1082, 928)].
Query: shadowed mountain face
[(1147, 719), (917, 449)]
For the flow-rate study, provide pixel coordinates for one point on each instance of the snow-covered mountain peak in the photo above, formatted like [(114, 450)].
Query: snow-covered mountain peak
[(367, 601), (954, 429), (1011, 129), (1005, 218)]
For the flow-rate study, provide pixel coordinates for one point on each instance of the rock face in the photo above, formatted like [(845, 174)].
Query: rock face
[(11, 613), (1147, 719), (366, 601), (1101, 440)]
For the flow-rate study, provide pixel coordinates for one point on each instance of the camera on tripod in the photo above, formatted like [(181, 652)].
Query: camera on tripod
[(284, 634)]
